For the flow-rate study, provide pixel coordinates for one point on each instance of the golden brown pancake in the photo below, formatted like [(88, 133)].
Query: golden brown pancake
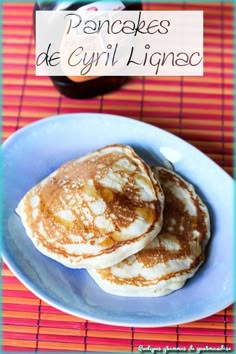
[(96, 210), (173, 256)]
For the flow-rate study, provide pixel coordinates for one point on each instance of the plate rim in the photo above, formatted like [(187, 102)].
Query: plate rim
[(55, 117)]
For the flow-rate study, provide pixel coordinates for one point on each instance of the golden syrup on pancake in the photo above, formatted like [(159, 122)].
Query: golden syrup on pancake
[(107, 242), (107, 194), (147, 214), (65, 210)]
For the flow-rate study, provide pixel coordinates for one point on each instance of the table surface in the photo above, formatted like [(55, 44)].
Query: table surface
[(198, 109)]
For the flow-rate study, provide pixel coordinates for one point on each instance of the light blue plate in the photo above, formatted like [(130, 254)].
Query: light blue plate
[(35, 151)]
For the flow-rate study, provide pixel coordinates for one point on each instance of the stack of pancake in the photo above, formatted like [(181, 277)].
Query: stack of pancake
[(138, 230)]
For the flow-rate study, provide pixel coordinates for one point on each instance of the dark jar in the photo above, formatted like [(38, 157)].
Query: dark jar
[(84, 87)]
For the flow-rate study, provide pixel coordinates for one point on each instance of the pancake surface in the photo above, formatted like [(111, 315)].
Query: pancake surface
[(173, 256), (96, 210)]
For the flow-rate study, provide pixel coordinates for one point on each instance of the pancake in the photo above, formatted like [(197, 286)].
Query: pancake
[(96, 210), (173, 256)]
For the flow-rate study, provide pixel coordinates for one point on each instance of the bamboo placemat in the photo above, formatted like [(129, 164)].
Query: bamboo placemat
[(198, 109)]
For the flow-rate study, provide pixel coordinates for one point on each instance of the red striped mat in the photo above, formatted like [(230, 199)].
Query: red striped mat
[(198, 109)]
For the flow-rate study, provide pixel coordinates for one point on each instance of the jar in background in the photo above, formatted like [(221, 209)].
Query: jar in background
[(80, 86)]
